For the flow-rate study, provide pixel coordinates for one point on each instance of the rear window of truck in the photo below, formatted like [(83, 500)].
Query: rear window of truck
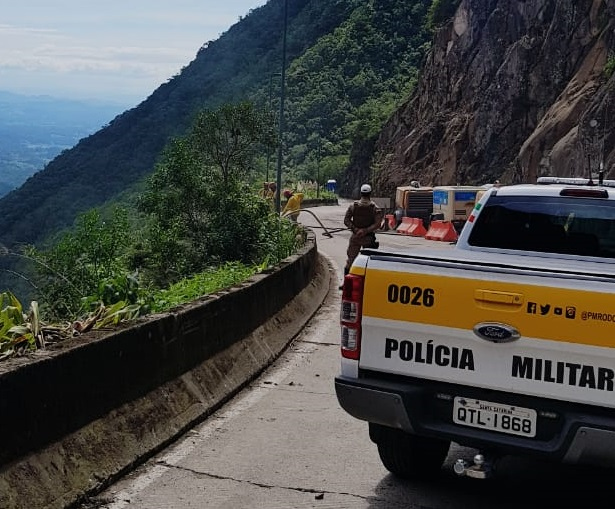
[(547, 224)]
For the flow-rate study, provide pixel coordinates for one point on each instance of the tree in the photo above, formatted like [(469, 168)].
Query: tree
[(81, 262), (202, 211), (230, 137)]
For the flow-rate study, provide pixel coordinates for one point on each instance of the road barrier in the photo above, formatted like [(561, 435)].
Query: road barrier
[(442, 230), (412, 226), (390, 221)]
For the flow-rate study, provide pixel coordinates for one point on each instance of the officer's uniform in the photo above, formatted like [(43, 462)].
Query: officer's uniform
[(363, 215)]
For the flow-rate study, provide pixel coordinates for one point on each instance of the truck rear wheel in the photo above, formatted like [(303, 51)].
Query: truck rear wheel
[(409, 456)]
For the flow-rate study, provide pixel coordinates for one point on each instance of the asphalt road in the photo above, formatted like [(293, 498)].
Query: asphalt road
[(284, 442)]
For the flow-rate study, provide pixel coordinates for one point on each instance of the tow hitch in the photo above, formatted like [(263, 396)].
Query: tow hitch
[(481, 469)]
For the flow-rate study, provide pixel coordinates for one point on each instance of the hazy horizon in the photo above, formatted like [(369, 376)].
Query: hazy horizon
[(114, 51)]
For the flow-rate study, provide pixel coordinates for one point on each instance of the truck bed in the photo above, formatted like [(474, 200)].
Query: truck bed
[(431, 315)]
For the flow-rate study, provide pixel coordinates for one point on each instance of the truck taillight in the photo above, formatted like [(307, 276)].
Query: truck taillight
[(350, 316), (350, 342), (584, 192)]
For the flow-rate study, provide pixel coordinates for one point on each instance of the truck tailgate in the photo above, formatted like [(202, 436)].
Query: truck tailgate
[(502, 325)]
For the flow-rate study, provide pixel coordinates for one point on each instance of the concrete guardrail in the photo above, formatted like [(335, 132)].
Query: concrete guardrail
[(77, 416)]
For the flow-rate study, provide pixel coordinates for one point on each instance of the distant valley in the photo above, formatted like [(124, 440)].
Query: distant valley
[(35, 129)]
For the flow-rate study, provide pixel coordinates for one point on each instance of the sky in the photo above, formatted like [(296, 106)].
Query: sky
[(110, 50)]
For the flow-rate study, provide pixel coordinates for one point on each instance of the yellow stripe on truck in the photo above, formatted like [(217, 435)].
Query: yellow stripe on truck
[(561, 314)]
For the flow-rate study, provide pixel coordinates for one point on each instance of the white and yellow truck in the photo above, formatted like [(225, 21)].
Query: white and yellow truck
[(504, 343)]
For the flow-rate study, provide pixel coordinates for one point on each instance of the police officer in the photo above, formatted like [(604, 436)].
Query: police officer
[(363, 218)]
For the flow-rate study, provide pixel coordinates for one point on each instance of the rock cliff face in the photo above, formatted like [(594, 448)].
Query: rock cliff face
[(511, 90)]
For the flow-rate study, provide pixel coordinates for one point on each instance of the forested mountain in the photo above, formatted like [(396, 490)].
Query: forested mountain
[(349, 64), (440, 91)]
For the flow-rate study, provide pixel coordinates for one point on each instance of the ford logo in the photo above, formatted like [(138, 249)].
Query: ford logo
[(496, 332)]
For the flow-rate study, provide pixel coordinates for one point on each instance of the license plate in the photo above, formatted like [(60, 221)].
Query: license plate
[(509, 419)]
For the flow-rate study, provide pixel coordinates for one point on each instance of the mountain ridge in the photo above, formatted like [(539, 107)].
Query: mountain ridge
[(505, 90), (238, 65)]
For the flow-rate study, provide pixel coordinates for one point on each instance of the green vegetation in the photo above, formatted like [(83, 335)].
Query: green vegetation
[(22, 331), (342, 89), (84, 262), (201, 211), (16, 330), (198, 228), (350, 63), (210, 281), (169, 190)]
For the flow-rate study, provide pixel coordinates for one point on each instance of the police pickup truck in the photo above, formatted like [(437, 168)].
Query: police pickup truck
[(504, 343)]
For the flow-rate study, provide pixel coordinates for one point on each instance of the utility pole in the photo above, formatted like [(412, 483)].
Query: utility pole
[(281, 119), (318, 168), (270, 109)]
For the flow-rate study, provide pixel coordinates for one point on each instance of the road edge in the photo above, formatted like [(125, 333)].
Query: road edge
[(65, 473)]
